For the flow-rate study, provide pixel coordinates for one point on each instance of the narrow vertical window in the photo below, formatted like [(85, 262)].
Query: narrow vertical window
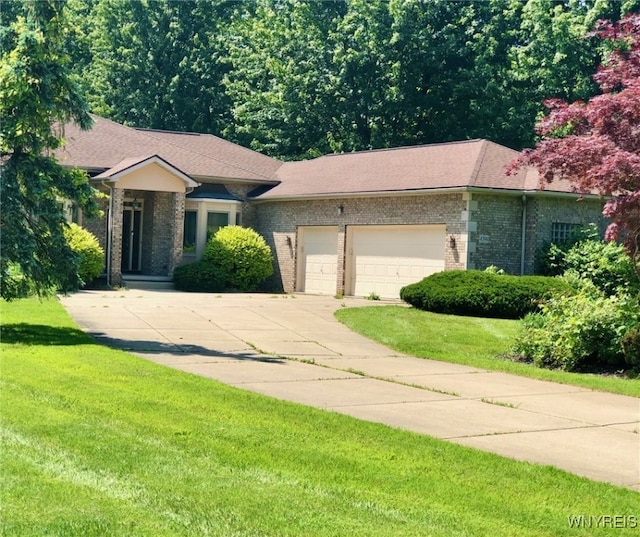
[(190, 229)]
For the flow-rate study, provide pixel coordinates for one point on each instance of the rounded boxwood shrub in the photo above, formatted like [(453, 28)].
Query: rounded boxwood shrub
[(88, 249), (199, 277), (481, 294), (242, 255)]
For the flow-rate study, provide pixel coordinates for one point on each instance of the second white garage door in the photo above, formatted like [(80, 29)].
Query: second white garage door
[(383, 259), (319, 260)]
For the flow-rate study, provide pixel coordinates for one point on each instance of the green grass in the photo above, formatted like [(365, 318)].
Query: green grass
[(97, 442), (470, 341)]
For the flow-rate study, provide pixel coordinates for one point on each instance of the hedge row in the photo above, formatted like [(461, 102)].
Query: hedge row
[(481, 294)]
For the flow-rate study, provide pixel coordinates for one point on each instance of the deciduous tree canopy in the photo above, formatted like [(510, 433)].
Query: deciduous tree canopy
[(299, 78), (595, 144)]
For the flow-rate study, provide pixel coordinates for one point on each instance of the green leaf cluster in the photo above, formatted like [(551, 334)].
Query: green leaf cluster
[(242, 255), (577, 330), (587, 257), (198, 277)]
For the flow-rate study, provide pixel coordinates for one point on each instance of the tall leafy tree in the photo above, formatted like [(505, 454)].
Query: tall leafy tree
[(596, 144), (361, 78), (280, 76), (36, 98), (306, 76), (452, 68), (159, 63)]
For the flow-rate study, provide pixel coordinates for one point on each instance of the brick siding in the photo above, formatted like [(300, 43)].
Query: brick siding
[(544, 210), (487, 228), (278, 222)]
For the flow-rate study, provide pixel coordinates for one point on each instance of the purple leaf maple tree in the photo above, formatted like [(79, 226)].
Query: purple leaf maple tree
[(595, 145)]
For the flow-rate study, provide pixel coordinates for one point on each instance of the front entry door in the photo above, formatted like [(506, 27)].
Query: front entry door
[(132, 236)]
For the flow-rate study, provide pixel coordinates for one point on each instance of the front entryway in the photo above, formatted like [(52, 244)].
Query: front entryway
[(132, 236)]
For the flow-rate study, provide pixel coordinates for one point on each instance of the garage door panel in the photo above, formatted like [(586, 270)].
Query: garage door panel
[(319, 260), (385, 259)]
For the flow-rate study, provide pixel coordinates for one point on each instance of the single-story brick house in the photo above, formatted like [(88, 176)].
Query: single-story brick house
[(356, 223)]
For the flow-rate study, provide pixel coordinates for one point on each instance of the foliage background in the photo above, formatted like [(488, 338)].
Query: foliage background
[(299, 78)]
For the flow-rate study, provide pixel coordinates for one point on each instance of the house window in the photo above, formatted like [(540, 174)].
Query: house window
[(190, 232), (562, 232), (215, 221)]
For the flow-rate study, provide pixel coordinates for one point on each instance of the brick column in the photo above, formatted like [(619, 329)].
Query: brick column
[(177, 206), (342, 260), (117, 205)]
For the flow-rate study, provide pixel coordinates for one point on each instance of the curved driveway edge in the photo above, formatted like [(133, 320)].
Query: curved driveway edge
[(291, 347)]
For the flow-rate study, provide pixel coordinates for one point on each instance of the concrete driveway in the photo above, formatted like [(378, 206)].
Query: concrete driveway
[(291, 347)]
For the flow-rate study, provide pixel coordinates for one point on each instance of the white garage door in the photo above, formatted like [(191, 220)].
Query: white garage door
[(383, 259), (319, 260)]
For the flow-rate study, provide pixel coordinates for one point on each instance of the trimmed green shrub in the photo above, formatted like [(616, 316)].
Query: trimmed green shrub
[(199, 277), (86, 246), (481, 294), (585, 328), (242, 255)]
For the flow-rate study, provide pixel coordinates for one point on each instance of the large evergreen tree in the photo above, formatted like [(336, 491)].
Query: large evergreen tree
[(36, 98)]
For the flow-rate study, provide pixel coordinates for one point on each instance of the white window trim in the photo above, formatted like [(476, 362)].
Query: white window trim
[(204, 206)]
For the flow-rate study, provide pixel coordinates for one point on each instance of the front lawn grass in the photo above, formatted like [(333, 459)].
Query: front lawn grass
[(98, 442), (473, 341)]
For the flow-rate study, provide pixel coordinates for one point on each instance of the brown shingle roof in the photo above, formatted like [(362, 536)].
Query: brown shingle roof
[(466, 164), (200, 155)]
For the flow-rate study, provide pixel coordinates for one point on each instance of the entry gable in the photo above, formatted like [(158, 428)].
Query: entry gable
[(151, 173)]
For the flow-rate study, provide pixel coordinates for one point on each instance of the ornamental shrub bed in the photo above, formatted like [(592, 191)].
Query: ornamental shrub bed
[(587, 328), (606, 264), (481, 294)]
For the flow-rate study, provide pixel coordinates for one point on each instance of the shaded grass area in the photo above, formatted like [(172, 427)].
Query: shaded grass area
[(98, 442), (472, 341)]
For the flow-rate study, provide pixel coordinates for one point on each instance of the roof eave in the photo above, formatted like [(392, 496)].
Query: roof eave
[(426, 191), (363, 194), (534, 192), (220, 179)]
